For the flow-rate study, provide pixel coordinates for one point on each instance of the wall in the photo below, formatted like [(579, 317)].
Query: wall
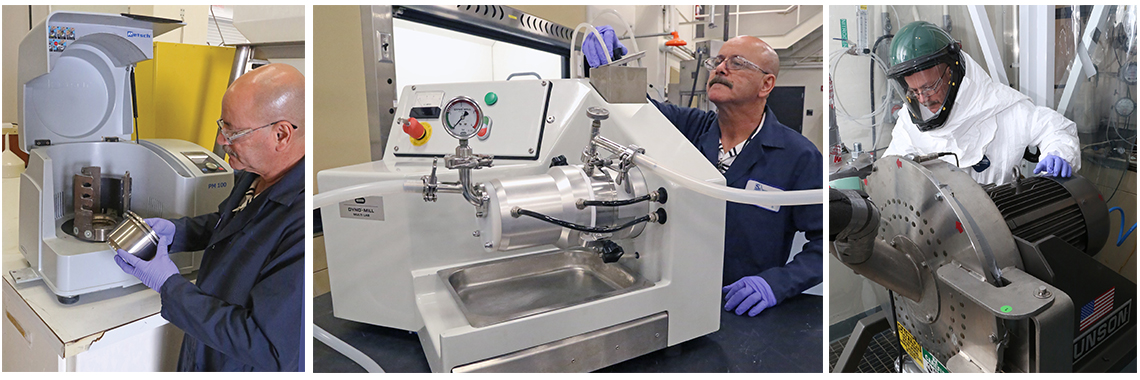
[(812, 82), (419, 59), (340, 116), (195, 16), (15, 26)]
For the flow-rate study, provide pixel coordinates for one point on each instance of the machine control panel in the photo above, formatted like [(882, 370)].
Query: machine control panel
[(59, 36), (503, 119), (204, 162)]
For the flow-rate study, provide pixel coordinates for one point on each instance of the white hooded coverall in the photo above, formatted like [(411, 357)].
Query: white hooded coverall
[(990, 120)]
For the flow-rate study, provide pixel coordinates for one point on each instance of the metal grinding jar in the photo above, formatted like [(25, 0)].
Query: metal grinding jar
[(134, 236)]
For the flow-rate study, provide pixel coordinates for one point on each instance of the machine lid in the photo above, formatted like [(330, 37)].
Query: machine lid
[(159, 25), (80, 91), (75, 102)]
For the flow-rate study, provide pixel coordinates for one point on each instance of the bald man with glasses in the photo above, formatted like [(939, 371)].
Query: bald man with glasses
[(245, 311), (754, 151)]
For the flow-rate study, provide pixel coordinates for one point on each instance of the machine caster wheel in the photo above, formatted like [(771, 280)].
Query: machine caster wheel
[(67, 300)]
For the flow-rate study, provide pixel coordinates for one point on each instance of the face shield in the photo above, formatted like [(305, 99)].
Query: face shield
[(939, 95)]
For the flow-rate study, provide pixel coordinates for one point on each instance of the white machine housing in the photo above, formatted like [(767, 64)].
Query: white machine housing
[(75, 111), (383, 267)]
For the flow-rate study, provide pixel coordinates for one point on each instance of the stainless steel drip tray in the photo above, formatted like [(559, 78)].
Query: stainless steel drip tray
[(502, 290)]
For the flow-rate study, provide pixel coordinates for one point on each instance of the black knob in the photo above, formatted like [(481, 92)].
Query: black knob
[(559, 160), (611, 252)]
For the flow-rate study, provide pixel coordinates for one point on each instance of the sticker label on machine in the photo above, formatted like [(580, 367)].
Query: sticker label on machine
[(924, 358), (1108, 326), (369, 208)]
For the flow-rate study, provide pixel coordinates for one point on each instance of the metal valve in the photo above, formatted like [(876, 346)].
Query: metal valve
[(590, 154), (598, 113)]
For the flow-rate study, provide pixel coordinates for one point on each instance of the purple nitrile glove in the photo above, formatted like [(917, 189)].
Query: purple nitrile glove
[(1054, 166), (155, 272), (595, 55), (749, 294)]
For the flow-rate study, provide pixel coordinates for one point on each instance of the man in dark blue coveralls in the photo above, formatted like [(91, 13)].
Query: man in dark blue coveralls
[(754, 151), (245, 311)]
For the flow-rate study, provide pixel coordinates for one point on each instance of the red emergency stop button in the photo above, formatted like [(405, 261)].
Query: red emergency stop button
[(414, 129), (418, 132)]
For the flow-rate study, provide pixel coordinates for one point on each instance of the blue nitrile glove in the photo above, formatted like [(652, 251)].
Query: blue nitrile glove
[(1054, 166), (155, 272), (751, 294), (595, 56)]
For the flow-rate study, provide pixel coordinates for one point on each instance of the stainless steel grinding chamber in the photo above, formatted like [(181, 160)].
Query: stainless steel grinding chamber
[(985, 278), (571, 206), (99, 203), (581, 209), (134, 236)]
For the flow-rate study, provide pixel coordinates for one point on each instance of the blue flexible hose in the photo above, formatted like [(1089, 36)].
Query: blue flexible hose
[(1122, 236)]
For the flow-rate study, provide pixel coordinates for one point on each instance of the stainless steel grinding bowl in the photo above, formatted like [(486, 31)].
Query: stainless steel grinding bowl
[(134, 236)]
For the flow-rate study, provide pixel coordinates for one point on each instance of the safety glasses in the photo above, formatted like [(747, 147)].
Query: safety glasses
[(234, 136), (735, 63)]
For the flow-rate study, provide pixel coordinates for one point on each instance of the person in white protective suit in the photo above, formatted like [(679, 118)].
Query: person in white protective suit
[(955, 107)]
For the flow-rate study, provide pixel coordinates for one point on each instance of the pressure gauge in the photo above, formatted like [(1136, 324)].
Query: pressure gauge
[(461, 117), (1124, 107)]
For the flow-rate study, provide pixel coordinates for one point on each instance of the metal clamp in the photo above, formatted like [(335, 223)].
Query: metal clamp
[(625, 162), (465, 160), (431, 183)]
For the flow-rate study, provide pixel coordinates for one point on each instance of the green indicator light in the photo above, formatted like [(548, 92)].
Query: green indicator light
[(491, 98), (1006, 309)]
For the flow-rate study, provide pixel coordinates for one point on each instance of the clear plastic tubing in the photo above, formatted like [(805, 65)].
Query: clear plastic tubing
[(628, 29), (328, 198), (348, 351), (731, 194), (576, 58)]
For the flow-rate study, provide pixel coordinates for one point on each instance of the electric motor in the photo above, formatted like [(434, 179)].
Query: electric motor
[(1069, 208)]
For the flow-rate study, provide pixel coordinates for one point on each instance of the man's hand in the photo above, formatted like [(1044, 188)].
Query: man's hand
[(1054, 166), (595, 55), (155, 272), (749, 294)]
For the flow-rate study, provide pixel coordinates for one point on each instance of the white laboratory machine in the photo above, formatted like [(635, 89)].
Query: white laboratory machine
[(75, 101), (517, 228)]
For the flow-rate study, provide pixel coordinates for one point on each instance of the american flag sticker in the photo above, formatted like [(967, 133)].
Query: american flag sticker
[(1095, 309)]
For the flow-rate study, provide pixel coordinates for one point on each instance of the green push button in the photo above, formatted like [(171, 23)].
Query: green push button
[(1006, 309), (491, 98)]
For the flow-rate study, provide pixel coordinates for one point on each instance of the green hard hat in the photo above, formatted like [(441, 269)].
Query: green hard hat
[(918, 39), (920, 46)]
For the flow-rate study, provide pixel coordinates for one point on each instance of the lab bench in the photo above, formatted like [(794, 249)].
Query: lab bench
[(786, 338), (112, 330)]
